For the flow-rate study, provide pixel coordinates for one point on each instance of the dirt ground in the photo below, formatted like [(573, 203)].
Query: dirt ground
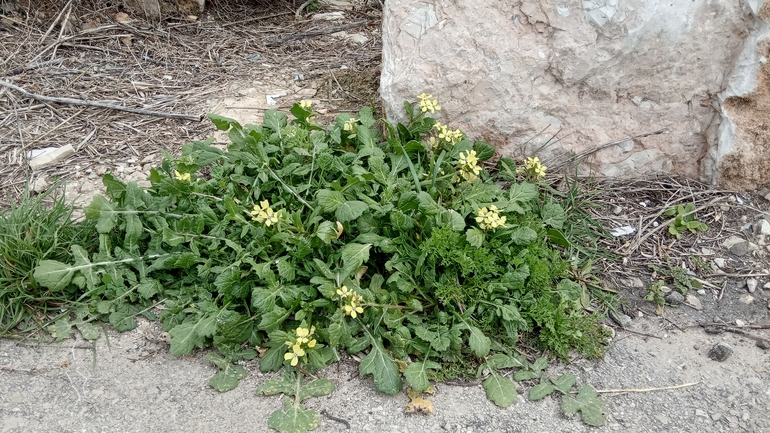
[(237, 61)]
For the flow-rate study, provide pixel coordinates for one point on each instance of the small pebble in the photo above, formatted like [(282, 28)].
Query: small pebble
[(720, 352), (751, 284), (675, 298)]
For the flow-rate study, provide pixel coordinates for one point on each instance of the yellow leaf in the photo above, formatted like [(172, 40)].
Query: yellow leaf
[(419, 405)]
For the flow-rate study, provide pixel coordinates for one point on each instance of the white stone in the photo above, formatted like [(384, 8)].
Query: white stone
[(694, 302), (51, 157), (762, 227), (328, 16), (746, 299), (766, 286), (720, 262), (40, 185), (751, 284), (739, 322), (732, 240), (609, 70)]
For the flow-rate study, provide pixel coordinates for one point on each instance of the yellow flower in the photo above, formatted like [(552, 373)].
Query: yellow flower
[(353, 311), (311, 120), (534, 167), (344, 292), (428, 103), (490, 218), (306, 104), (468, 165), (184, 177), (296, 352), (350, 125), (263, 213), (303, 336)]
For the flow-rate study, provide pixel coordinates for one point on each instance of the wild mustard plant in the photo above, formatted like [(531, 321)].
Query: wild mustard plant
[(490, 218), (371, 209), (533, 169)]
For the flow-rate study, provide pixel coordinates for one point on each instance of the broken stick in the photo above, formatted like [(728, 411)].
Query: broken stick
[(99, 104)]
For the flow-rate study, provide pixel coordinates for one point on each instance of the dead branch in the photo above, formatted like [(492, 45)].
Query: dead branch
[(99, 104)]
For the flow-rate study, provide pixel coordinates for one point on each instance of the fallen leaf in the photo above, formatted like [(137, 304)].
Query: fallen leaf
[(126, 41), (90, 25), (122, 17), (419, 405)]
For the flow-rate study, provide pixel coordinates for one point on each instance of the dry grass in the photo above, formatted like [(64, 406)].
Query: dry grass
[(171, 67)]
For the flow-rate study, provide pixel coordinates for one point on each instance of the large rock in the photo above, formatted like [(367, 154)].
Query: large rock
[(590, 73)]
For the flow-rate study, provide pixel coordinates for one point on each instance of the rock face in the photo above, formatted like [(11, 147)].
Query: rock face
[(562, 79)]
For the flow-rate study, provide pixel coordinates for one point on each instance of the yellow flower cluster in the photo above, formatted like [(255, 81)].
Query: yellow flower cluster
[(446, 134), (350, 125), (352, 301), (263, 213), (490, 218), (428, 103), (306, 104), (468, 164), (303, 337), (184, 177), (534, 168)]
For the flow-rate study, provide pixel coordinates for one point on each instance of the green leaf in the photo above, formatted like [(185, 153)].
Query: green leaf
[(524, 236), (316, 388), (366, 117), (285, 269), (350, 210), (185, 336), (454, 220), (223, 123), (592, 409), (501, 390), (148, 288), (416, 374), (329, 200), (507, 169), (540, 391), (355, 254), (540, 364), (428, 206), (553, 215), (500, 360), (274, 120), (381, 366), (171, 237), (88, 330), (568, 290), (61, 329), (326, 231), (479, 343), (53, 275), (286, 384), (228, 378), (273, 359), (294, 419), (122, 320), (103, 212), (484, 150), (564, 383), (475, 237)]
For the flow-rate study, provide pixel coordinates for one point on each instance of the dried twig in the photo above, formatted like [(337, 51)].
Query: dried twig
[(99, 104), (319, 32), (663, 388)]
